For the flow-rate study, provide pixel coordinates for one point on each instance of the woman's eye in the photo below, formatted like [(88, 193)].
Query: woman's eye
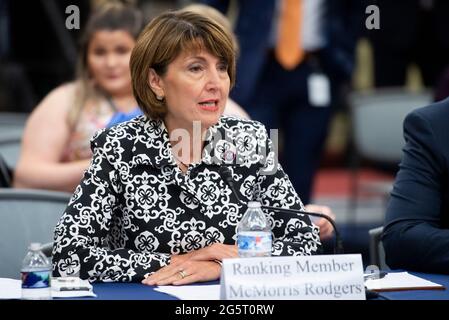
[(223, 67), (122, 50), (195, 68), (99, 52)]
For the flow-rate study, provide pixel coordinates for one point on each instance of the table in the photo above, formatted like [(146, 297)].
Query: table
[(137, 291), (442, 279)]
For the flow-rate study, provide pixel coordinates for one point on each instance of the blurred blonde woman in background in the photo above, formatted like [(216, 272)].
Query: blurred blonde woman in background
[(56, 142)]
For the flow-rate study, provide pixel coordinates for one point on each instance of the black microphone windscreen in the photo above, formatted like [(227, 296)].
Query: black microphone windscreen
[(225, 173)]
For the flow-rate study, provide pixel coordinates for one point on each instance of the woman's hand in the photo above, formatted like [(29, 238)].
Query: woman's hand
[(326, 228), (196, 266), (189, 271), (216, 251)]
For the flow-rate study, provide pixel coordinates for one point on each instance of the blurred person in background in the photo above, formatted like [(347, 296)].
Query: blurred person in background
[(56, 142), (16, 94), (38, 24), (295, 93), (411, 31)]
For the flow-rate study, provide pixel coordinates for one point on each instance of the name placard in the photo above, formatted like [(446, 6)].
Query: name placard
[(321, 277)]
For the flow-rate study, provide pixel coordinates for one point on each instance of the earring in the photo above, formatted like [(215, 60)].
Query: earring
[(160, 98)]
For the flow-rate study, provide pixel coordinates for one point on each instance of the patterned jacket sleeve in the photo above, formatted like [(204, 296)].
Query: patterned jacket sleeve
[(81, 236), (293, 234)]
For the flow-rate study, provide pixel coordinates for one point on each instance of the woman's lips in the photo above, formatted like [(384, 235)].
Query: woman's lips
[(211, 105)]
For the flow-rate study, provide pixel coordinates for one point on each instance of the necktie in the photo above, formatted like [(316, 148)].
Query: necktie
[(288, 50)]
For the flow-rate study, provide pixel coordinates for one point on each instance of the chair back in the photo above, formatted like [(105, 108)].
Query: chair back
[(12, 121), (12, 125), (377, 120), (376, 248), (26, 216)]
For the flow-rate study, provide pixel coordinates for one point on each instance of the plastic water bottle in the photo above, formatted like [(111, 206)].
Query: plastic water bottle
[(36, 272), (253, 233)]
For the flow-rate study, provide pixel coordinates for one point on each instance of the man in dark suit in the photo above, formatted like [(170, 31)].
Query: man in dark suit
[(281, 98), (416, 232)]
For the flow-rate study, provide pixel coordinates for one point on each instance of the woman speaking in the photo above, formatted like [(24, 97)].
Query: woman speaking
[(152, 205)]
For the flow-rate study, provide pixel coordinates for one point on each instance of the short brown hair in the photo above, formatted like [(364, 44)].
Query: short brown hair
[(163, 39)]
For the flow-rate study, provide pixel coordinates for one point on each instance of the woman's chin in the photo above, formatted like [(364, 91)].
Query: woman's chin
[(211, 115), (208, 120), (114, 88)]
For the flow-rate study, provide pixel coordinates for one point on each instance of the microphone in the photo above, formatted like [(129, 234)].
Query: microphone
[(226, 175)]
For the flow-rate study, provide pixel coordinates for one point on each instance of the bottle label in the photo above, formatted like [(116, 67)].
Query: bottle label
[(35, 279), (254, 242)]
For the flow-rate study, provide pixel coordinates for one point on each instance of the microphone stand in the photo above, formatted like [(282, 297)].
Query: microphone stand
[(338, 247)]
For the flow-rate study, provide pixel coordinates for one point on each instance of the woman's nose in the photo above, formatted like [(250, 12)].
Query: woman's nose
[(111, 60), (213, 80)]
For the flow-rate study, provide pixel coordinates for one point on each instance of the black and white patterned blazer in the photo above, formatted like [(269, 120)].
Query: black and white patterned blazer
[(135, 207)]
